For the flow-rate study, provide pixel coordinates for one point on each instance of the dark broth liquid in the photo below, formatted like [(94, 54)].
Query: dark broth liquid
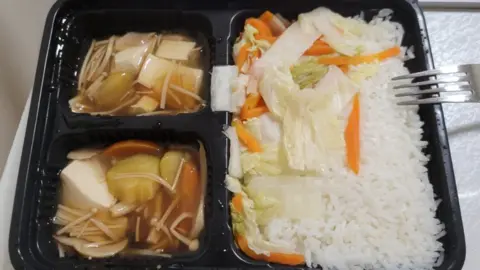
[(176, 102)]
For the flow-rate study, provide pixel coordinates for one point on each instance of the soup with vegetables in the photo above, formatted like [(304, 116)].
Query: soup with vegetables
[(134, 197), (141, 74)]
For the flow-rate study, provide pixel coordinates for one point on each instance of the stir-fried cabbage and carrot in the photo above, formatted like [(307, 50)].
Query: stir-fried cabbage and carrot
[(297, 110)]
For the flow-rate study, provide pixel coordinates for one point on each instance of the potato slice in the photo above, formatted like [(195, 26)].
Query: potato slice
[(169, 165), (133, 180), (114, 89), (146, 104)]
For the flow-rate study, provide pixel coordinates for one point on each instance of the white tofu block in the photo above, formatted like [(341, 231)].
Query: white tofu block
[(175, 50)]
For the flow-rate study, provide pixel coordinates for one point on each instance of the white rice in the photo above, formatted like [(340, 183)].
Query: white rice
[(383, 218)]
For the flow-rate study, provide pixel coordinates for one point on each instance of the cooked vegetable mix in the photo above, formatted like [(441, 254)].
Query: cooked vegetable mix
[(134, 196), (322, 161), (141, 74)]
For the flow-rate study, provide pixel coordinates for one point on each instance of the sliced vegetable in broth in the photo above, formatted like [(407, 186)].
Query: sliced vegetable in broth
[(143, 199), (140, 74)]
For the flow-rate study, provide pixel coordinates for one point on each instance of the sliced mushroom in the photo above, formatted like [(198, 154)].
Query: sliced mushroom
[(106, 58), (84, 153), (81, 77), (95, 63), (199, 222), (85, 248), (132, 39), (192, 244), (121, 209), (120, 107), (145, 252), (92, 90), (77, 221)]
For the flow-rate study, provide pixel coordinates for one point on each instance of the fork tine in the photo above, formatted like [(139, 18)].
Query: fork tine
[(433, 72), (449, 88), (431, 82), (435, 100)]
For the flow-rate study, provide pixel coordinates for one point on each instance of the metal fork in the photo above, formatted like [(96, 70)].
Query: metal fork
[(461, 86)]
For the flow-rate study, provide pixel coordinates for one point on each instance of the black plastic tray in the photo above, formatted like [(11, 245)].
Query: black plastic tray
[(53, 130)]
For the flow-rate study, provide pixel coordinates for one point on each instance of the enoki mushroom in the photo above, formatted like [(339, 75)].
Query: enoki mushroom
[(192, 244)]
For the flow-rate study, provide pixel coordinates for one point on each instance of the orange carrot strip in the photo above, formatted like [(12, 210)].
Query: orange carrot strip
[(243, 245), (242, 56), (188, 189), (352, 136), (266, 17), (246, 138), (255, 112), (319, 41), (261, 26), (275, 257), (344, 68), (284, 258), (319, 49), (270, 39), (131, 147), (251, 102), (237, 202), (362, 59)]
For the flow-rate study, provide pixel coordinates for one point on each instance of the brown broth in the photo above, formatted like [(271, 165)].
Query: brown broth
[(130, 96), (188, 199)]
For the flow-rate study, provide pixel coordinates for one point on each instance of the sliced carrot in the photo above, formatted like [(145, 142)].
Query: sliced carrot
[(269, 39), (251, 102), (352, 136), (131, 147), (189, 186), (319, 41), (242, 56), (243, 245), (275, 257), (237, 202), (319, 49), (266, 17), (189, 189), (246, 138), (253, 56), (344, 68), (362, 59), (252, 113), (261, 26), (284, 258)]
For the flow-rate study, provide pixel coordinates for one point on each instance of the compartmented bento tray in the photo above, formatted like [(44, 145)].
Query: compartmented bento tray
[(53, 129)]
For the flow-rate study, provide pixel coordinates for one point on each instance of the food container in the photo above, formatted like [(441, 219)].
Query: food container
[(53, 130)]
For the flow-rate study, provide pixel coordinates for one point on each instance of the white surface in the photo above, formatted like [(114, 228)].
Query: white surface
[(7, 188), (21, 29), (450, 3), (454, 37)]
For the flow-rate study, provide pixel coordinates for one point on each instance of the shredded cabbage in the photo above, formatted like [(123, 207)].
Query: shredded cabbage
[(233, 184), (234, 163), (286, 196), (351, 36), (255, 239), (312, 119), (359, 73), (267, 162), (307, 73), (265, 128), (275, 87)]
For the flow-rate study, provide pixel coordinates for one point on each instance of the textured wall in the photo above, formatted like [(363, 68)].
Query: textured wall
[(455, 39), (21, 28)]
